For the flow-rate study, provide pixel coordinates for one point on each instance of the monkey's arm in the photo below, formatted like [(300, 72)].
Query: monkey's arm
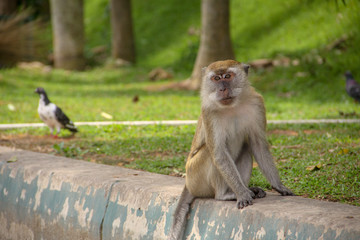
[(265, 161), (262, 154)]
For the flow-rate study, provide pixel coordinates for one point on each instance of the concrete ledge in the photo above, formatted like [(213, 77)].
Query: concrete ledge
[(48, 197)]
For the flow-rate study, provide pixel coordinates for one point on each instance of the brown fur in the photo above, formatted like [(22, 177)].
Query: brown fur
[(228, 135)]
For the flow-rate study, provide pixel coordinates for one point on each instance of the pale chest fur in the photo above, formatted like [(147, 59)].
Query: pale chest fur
[(234, 126)]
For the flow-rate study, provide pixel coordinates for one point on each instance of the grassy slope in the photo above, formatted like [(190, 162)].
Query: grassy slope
[(260, 29)]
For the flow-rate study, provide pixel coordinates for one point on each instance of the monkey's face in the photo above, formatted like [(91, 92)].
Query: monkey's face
[(224, 82)]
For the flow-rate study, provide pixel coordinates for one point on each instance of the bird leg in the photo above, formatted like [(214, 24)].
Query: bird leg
[(51, 132), (57, 132)]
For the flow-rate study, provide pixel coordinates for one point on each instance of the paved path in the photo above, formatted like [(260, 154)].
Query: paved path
[(178, 122)]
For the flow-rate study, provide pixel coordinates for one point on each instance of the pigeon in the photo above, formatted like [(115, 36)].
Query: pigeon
[(352, 87), (52, 115)]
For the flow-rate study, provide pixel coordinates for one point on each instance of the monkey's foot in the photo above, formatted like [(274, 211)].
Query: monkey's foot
[(245, 200), (284, 191), (259, 193)]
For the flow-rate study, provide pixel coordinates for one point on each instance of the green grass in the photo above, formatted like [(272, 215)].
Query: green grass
[(335, 149), (259, 29), (299, 30), (85, 95)]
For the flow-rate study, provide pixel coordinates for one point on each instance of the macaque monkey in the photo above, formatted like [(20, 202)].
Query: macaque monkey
[(231, 131)]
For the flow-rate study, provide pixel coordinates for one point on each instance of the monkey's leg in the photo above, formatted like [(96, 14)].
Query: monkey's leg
[(244, 165), (227, 171), (224, 193), (222, 190)]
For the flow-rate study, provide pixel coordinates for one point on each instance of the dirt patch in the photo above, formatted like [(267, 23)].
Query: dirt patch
[(311, 131), (283, 132), (45, 144), (293, 133), (41, 144), (106, 159)]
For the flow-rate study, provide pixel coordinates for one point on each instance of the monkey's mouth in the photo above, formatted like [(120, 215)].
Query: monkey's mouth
[(227, 100)]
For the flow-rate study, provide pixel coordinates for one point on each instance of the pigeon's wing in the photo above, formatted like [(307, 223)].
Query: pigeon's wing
[(354, 92), (64, 120), (61, 117), (42, 117)]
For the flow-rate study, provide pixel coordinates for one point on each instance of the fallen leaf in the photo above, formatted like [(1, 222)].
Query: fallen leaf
[(344, 151), (314, 167), (106, 115), (310, 168), (11, 107), (12, 159)]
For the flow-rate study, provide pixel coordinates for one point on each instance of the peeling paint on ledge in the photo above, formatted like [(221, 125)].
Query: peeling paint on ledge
[(49, 197), (64, 207)]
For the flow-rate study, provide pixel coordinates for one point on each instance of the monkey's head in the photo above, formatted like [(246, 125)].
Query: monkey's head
[(223, 82)]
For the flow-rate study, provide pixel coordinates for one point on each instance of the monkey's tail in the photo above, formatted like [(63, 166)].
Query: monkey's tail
[(181, 211)]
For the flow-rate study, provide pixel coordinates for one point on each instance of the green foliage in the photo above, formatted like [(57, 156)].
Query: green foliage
[(71, 151), (259, 29)]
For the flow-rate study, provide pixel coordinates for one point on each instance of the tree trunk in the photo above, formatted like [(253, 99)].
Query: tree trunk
[(68, 34), (7, 7), (215, 42), (123, 46)]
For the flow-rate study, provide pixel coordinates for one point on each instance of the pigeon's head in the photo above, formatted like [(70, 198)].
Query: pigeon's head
[(348, 75), (40, 90)]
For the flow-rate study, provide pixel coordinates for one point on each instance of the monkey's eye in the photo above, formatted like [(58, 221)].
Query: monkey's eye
[(227, 75), (216, 78)]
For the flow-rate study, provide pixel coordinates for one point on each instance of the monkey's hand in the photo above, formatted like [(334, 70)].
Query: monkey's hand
[(245, 199), (284, 191)]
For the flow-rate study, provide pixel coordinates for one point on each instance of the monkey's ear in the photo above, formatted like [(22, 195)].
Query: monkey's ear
[(203, 71), (246, 68)]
